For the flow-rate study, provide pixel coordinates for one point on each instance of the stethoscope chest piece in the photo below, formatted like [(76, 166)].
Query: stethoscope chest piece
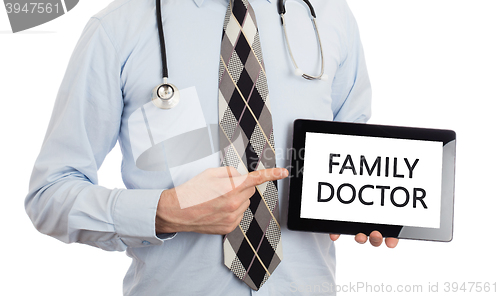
[(165, 96)]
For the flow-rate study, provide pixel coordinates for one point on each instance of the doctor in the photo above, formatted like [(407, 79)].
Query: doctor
[(105, 97)]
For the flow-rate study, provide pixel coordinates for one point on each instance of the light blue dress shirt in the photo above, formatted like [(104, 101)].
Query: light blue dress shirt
[(105, 97)]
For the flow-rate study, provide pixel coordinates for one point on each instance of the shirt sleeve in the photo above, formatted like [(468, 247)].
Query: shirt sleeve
[(64, 199), (351, 89)]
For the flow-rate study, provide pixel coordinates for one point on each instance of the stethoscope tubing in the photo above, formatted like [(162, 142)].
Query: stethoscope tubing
[(282, 11), (304, 75)]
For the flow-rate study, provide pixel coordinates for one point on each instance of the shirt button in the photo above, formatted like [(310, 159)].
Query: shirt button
[(145, 242)]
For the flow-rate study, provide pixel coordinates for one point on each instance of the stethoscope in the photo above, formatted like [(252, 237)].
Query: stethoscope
[(166, 95), (298, 71)]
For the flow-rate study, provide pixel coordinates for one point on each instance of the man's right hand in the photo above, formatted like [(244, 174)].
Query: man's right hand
[(212, 202)]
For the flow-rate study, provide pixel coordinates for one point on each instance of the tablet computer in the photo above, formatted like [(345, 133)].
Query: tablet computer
[(349, 178)]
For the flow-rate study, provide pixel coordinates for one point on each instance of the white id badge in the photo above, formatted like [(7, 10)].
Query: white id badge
[(177, 139)]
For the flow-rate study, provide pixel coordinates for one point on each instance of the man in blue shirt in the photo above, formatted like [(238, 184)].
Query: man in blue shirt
[(105, 97)]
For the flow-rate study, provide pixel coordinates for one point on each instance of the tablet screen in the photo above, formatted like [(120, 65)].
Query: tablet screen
[(372, 180)]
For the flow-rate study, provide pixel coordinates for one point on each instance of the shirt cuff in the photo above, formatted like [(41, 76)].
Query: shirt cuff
[(134, 217)]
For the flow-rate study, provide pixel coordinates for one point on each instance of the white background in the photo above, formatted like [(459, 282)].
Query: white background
[(433, 63)]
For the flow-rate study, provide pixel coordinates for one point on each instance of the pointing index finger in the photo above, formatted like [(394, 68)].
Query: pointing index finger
[(261, 176)]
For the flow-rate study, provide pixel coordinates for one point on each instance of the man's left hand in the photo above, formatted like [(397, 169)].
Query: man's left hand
[(376, 239)]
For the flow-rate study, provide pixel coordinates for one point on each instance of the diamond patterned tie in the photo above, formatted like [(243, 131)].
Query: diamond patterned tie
[(253, 250)]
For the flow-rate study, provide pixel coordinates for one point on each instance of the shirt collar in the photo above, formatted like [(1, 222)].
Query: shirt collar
[(200, 2)]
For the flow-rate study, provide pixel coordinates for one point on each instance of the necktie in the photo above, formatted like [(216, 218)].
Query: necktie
[(253, 250)]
